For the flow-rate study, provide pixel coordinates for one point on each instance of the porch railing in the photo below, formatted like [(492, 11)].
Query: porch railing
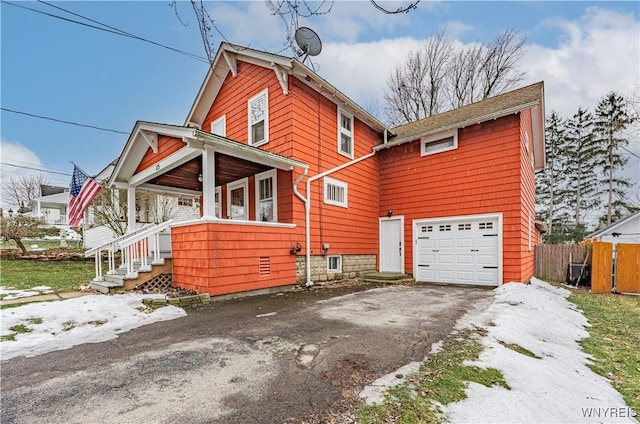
[(135, 248)]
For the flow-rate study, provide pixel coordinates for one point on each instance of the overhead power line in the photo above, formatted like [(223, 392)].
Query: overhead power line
[(63, 121), (34, 169), (105, 28)]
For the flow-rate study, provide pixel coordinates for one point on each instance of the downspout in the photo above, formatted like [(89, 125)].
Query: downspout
[(307, 207)]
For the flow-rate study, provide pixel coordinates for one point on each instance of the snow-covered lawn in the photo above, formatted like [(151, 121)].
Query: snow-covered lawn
[(555, 387), (8, 293), (62, 324)]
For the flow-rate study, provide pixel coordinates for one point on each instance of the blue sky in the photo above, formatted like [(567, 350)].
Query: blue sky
[(53, 68)]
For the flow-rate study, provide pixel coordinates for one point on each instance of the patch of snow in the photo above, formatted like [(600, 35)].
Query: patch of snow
[(67, 323), (558, 387), (11, 293), (374, 393)]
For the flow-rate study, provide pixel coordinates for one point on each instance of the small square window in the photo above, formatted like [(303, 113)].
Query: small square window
[(185, 201), (345, 133), (334, 264), (219, 126), (440, 142), (335, 192)]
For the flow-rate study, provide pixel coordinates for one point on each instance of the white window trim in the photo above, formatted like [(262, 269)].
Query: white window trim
[(334, 271), (327, 181), (218, 191), (273, 174), (526, 140), (222, 119), (341, 112), (437, 137), (264, 93), (244, 182)]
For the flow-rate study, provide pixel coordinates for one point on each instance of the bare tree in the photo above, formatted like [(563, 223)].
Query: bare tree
[(18, 227), (21, 190), (290, 11), (439, 74), (415, 89), (499, 68), (107, 209)]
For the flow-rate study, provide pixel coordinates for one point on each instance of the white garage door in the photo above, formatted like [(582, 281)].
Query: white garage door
[(458, 250)]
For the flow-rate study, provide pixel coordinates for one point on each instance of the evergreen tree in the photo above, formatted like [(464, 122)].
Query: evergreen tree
[(582, 194), (550, 181), (612, 118)]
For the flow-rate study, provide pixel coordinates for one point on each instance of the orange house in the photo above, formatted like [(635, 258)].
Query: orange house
[(298, 184)]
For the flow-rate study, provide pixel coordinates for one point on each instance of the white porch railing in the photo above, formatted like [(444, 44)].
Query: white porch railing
[(135, 248)]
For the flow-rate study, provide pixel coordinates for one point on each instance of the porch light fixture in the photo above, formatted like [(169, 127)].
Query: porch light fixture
[(200, 177), (389, 213)]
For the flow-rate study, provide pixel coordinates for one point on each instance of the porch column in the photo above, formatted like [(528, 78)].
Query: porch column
[(208, 181), (131, 209), (38, 209)]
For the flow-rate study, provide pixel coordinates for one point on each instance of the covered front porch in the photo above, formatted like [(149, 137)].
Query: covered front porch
[(245, 238)]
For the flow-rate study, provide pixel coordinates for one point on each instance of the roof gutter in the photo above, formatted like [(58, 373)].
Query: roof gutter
[(462, 124), (307, 207)]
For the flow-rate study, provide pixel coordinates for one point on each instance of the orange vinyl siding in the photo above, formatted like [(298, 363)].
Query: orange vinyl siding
[(481, 176), (351, 230), (527, 197), (225, 258), (166, 146)]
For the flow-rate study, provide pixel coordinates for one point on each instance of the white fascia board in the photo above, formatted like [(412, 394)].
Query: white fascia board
[(458, 125), (160, 189), (320, 85), (170, 162)]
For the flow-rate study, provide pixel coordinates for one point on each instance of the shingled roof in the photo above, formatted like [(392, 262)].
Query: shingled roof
[(484, 110)]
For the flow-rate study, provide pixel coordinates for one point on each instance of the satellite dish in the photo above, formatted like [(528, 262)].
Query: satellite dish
[(308, 41)]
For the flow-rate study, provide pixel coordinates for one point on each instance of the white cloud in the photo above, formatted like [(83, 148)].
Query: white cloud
[(597, 54), (15, 157)]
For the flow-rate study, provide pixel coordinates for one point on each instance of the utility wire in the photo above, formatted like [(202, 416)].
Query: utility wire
[(35, 169), (62, 121), (106, 28)]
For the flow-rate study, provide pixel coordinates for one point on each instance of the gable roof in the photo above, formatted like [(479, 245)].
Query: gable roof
[(144, 135), (226, 60), (609, 229), (531, 96)]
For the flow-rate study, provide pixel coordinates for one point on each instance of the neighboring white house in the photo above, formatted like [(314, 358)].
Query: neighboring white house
[(147, 209), (51, 206), (626, 230)]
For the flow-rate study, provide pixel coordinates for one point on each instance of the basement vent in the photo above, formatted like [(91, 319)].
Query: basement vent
[(264, 267)]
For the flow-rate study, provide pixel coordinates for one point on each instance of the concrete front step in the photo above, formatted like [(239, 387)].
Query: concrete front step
[(387, 278), (104, 286)]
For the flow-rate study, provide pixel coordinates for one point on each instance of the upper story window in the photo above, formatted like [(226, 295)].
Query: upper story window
[(259, 118), (440, 142), (267, 196), (219, 126), (335, 192), (345, 133)]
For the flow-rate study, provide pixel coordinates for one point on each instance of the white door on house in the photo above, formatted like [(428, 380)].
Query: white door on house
[(391, 246)]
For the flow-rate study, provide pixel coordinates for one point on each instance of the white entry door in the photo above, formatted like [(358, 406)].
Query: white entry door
[(391, 245)]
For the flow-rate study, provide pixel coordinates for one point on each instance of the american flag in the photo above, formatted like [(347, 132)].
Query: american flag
[(82, 191)]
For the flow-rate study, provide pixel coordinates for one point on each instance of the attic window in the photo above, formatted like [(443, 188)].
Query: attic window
[(440, 142), (259, 118), (219, 126)]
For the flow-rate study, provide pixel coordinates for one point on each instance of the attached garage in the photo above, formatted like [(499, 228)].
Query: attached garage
[(458, 250)]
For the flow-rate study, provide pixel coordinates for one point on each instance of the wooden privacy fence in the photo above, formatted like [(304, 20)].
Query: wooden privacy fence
[(551, 260), (621, 275)]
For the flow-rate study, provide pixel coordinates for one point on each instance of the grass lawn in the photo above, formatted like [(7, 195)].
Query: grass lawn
[(614, 340), (614, 343), (441, 380), (60, 276)]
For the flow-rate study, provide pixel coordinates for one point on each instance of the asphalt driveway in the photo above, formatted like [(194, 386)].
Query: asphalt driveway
[(291, 357)]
